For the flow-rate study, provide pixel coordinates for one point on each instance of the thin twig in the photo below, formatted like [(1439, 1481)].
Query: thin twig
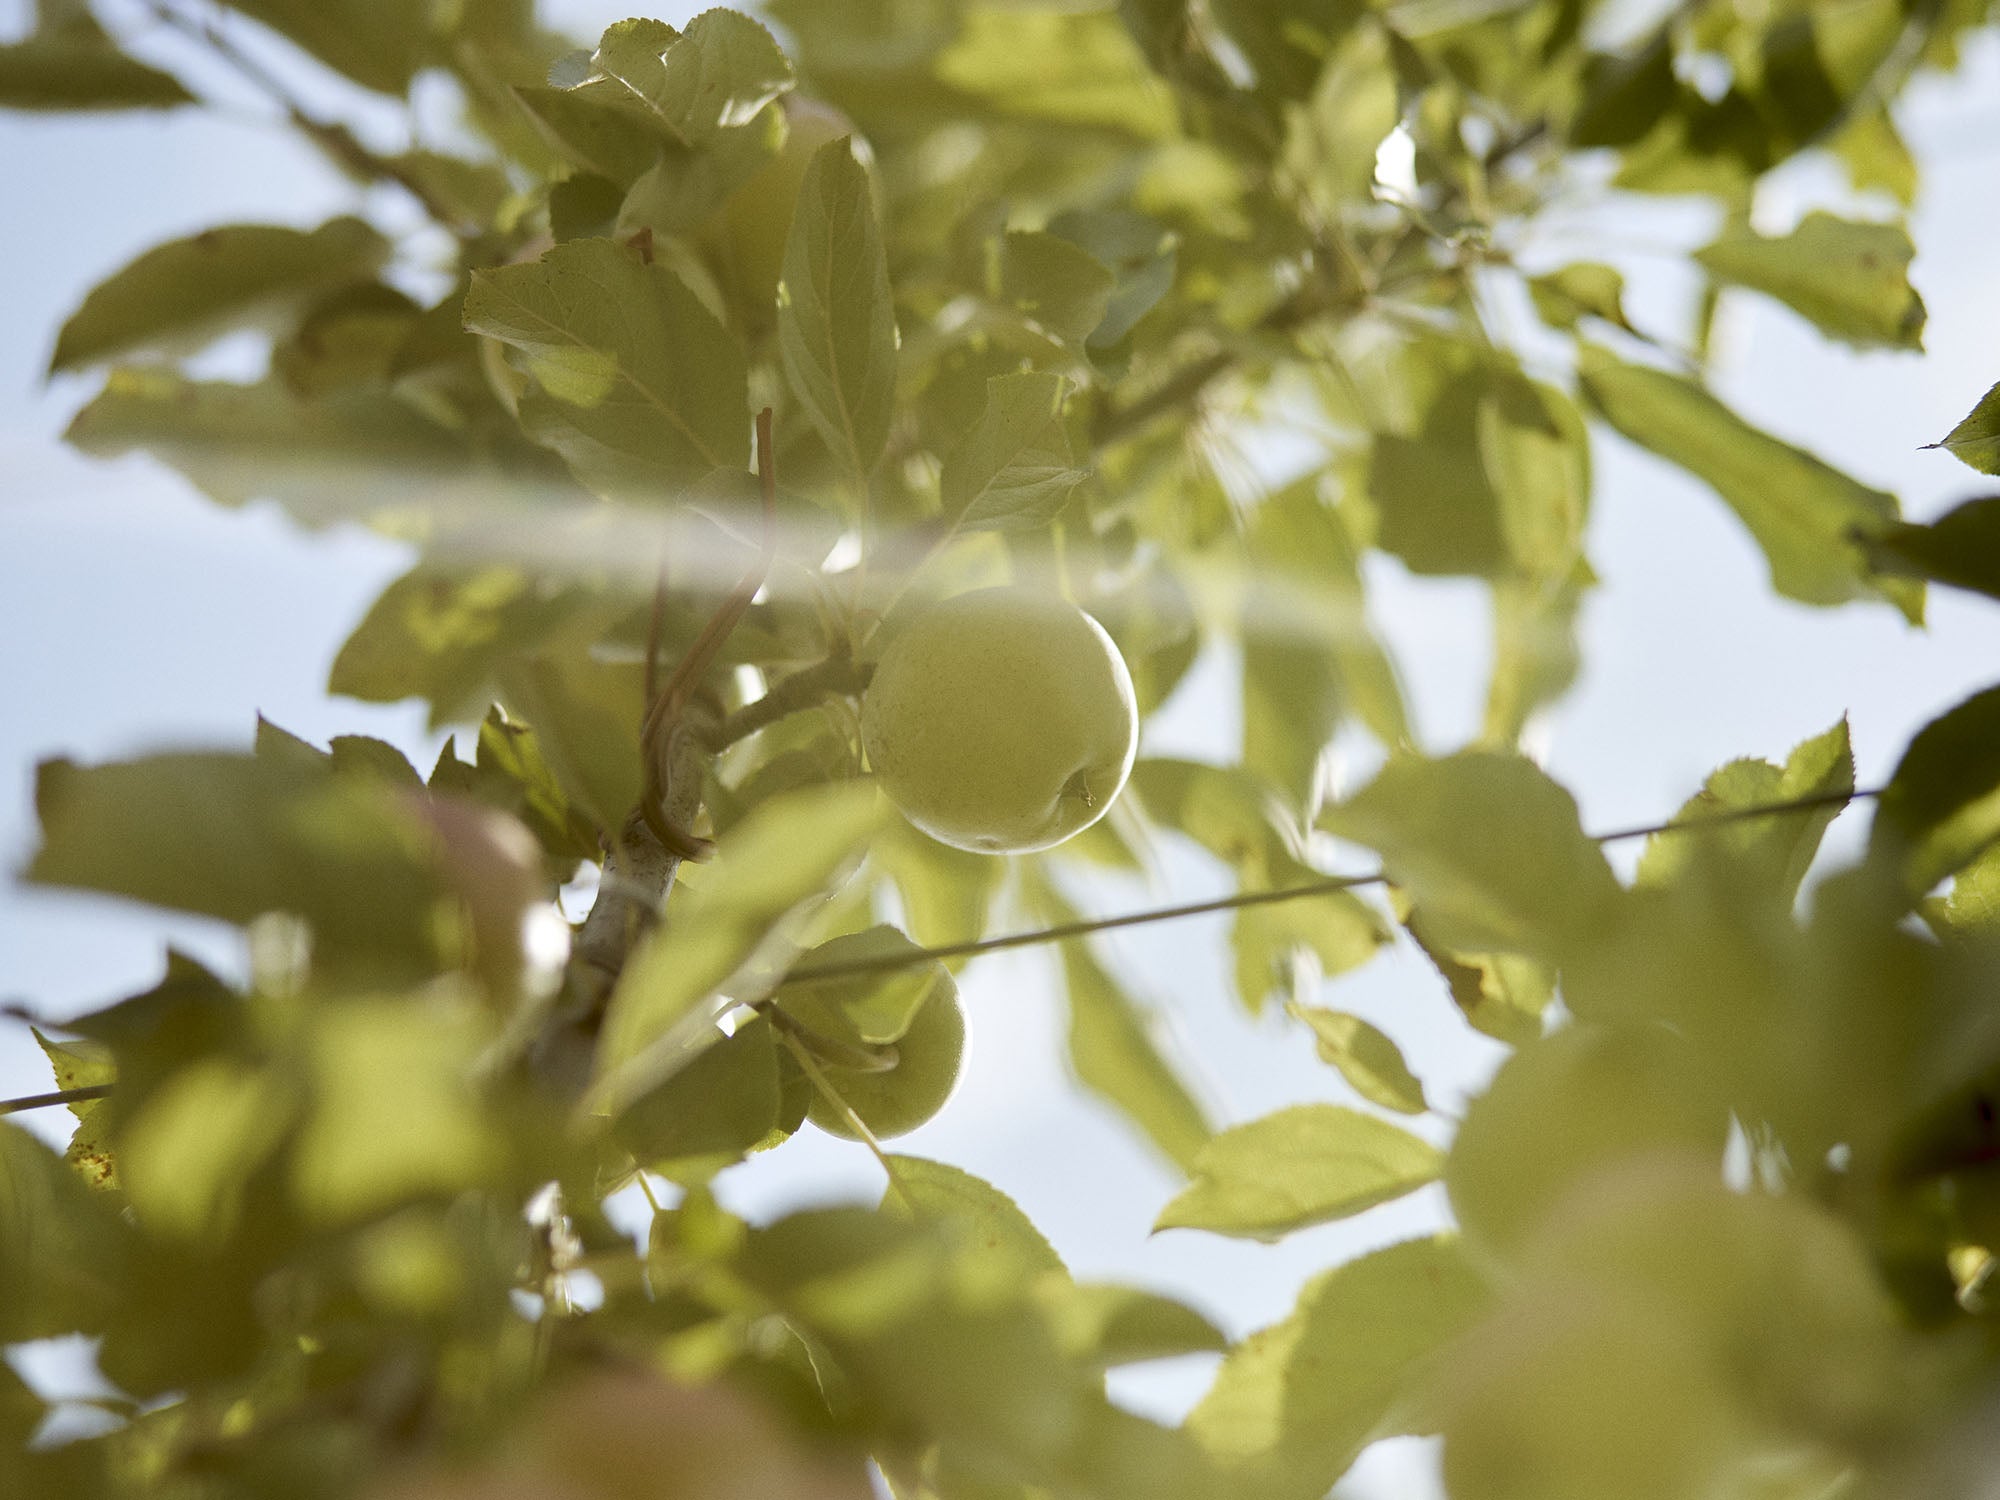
[(50, 1101), (336, 140)]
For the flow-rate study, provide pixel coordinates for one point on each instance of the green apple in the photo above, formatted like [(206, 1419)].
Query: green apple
[(896, 1100), (746, 240), (1001, 721)]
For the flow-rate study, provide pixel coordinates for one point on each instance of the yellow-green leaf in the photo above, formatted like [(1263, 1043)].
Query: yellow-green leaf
[(1367, 1058)]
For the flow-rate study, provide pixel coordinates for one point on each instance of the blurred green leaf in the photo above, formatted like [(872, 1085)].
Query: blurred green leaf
[(1942, 804), (177, 297), (1849, 280), (69, 62), (441, 635), (585, 717), (1309, 654), (1438, 509), (1976, 440), (1287, 44), (1331, 136), (1294, 1404), (1625, 94), (1078, 69), (1536, 653), (836, 319), (394, 1113), (1113, 1049), (1587, 288), (186, 1156), (1335, 929), (1014, 471), (233, 836), (736, 931), (1503, 995), (1805, 515), (352, 338), (1310, 1164), (639, 388), (1536, 453), (356, 456), (380, 44), (60, 1244), (1060, 285), (1489, 849), (1225, 810), (1122, 1325), (1876, 155), (711, 1113), (1371, 1063), (1960, 548)]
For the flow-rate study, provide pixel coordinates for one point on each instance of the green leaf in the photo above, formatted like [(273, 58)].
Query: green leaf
[(1287, 43), (1625, 94), (735, 932), (69, 62), (639, 388), (60, 1244), (612, 142), (1768, 856), (1849, 280), (1438, 510), (1061, 286), (991, 1221), (354, 456), (715, 76), (866, 1009), (1080, 69), (187, 1155), (1876, 155), (1310, 1164), (1536, 453), (1225, 810), (233, 836), (1804, 514), (177, 297), (510, 774), (441, 635), (585, 716), (1942, 805), (1122, 1325), (1976, 440), (1113, 1049), (352, 338), (380, 44), (1586, 289), (1335, 929), (711, 1113), (79, 1065), (1330, 137), (1960, 548), (1489, 849), (1014, 471), (836, 319), (1293, 1405), (1308, 652), (1371, 1063), (395, 1112), (1501, 994)]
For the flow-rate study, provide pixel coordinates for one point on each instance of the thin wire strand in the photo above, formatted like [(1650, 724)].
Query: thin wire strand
[(1063, 931)]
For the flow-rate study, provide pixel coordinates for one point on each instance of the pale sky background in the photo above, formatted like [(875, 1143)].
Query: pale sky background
[(135, 615)]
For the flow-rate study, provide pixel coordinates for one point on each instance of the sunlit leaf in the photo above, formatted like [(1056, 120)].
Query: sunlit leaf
[(1062, 286), (79, 1065), (380, 44), (1489, 849), (1014, 470), (1536, 453), (714, 76), (352, 456), (186, 1156), (1850, 280), (639, 388), (1942, 805), (1976, 440), (1367, 1058), (178, 296), (1306, 1165), (1121, 1325), (736, 931), (1587, 288), (1805, 515), (394, 1111), (712, 1112), (991, 1221), (1224, 810), (836, 321), (1293, 1405), (868, 1009), (1769, 854), (1114, 1050), (1335, 929), (1074, 69)]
